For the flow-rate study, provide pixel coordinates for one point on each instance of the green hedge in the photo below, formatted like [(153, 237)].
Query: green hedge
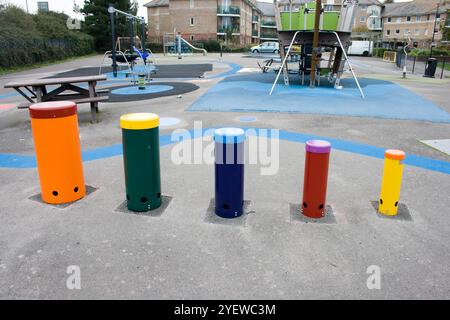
[(379, 52), (439, 51), (21, 51), (27, 39)]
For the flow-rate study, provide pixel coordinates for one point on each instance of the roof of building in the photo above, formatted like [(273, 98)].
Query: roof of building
[(157, 3), (266, 8), (370, 2), (282, 2), (415, 7)]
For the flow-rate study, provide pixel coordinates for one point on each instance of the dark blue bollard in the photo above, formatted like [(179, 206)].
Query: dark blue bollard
[(229, 171)]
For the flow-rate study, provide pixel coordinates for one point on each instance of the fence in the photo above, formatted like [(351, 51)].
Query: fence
[(416, 65), (23, 51)]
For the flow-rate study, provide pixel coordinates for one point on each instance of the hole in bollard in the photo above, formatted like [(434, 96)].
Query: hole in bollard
[(55, 193), (381, 201), (396, 203), (144, 199), (305, 205), (158, 195), (75, 189), (321, 207), (128, 197), (226, 207)]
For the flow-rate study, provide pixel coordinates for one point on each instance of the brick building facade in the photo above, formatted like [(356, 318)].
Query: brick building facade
[(199, 20)]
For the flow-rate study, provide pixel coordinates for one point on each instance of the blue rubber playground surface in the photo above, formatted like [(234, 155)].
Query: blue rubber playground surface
[(384, 99)]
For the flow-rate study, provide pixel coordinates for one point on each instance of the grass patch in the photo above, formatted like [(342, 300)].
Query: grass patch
[(4, 71), (447, 65)]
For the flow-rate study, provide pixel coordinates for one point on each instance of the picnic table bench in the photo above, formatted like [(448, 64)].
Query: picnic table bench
[(35, 91)]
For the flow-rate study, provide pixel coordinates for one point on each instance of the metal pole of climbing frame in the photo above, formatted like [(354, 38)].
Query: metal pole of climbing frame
[(280, 27), (315, 43), (111, 11)]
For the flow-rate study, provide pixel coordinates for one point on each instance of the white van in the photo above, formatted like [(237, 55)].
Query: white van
[(362, 48)]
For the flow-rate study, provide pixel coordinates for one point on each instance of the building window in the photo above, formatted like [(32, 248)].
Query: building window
[(328, 7), (416, 32), (418, 18), (388, 32), (406, 32), (426, 32), (191, 4), (399, 19), (397, 31), (408, 19), (438, 17), (192, 38), (192, 21), (43, 6), (389, 19), (363, 7), (362, 19)]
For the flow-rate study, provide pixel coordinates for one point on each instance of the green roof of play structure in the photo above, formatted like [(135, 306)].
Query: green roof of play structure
[(305, 21)]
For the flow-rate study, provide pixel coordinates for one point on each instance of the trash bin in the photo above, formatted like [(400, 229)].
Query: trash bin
[(140, 139), (58, 152), (430, 68), (229, 172), (315, 178), (391, 182)]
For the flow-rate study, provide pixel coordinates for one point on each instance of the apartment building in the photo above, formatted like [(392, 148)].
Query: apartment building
[(415, 20), (368, 16), (268, 24), (200, 20)]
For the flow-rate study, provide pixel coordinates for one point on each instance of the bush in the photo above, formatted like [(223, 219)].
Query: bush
[(29, 39), (210, 45), (154, 47), (379, 52), (438, 51)]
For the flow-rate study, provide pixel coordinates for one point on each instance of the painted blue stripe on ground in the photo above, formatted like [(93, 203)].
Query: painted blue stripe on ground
[(234, 69), (29, 161)]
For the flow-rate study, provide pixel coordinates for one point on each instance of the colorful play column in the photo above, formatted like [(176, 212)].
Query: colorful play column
[(392, 182), (315, 179), (140, 138), (229, 172), (58, 152)]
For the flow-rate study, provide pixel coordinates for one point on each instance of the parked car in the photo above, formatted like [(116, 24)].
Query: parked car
[(266, 47), (362, 48)]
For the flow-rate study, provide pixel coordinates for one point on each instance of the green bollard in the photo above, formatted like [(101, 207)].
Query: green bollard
[(141, 81), (140, 139)]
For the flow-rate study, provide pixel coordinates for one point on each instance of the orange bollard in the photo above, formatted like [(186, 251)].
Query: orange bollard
[(58, 152)]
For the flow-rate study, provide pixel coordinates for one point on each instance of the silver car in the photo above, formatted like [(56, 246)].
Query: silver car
[(266, 47)]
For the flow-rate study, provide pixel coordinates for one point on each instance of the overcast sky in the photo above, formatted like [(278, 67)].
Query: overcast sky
[(67, 5)]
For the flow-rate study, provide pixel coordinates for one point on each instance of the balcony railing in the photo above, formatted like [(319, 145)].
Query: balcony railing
[(233, 29), (269, 35), (228, 10), (268, 23)]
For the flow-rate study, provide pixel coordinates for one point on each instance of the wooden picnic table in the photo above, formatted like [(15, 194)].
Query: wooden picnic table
[(36, 91)]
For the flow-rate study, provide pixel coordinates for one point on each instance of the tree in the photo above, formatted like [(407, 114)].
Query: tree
[(96, 22)]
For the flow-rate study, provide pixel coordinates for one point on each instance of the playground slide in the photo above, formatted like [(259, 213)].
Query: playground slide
[(194, 48)]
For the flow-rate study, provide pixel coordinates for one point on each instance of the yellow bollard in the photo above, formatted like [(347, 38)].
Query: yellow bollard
[(392, 182)]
